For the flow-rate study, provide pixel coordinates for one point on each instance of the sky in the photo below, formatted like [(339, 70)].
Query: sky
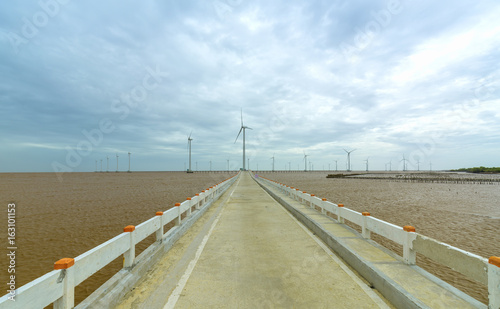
[(82, 82)]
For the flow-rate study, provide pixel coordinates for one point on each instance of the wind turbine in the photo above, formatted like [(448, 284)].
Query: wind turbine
[(305, 162), (228, 165), (242, 128), (367, 163), (273, 161), (418, 165), (404, 163), (336, 165), (101, 165), (349, 159), (129, 163), (117, 163), (107, 164), (189, 146), (96, 166)]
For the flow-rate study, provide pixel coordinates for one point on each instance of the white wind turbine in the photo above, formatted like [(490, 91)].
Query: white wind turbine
[(404, 163), (273, 161), (305, 162), (189, 147), (129, 162), (349, 159), (117, 163), (242, 128)]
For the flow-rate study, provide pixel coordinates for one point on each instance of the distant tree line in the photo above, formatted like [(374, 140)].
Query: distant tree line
[(480, 169)]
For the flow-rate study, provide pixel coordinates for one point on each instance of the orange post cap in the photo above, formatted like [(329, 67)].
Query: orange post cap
[(188, 199), (177, 204), (366, 214), (159, 213), (494, 260), (340, 205), (323, 199), (64, 263), (408, 228), (129, 228)]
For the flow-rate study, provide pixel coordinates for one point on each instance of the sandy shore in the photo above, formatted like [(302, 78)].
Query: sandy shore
[(65, 219), (466, 216)]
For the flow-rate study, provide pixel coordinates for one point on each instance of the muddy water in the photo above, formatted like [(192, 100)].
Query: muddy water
[(466, 216), (64, 219)]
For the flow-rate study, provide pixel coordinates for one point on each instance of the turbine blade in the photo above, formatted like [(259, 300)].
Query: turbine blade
[(248, 128), (238, 135)]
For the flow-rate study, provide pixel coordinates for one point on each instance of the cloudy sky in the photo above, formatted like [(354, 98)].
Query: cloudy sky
[(83, 81)]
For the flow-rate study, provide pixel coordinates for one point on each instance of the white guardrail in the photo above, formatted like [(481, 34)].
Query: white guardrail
[(475, 267), (58, 286)]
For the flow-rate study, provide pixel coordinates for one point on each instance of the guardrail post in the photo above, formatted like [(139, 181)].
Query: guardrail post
[(67, 278), (340, 219), (311, 199), (190, 205), (494, 282), (303, 197), (159, 232), (323, 203), (202, 196), (197, 201), (178, 220), (365, 232), (409, 255), (129, 255)]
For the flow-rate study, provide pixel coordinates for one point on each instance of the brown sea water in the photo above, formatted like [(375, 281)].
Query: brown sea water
[(466, 216), (57, 219)]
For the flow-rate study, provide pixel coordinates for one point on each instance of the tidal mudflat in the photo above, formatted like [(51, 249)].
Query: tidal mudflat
[(56, 219), (466, 216)]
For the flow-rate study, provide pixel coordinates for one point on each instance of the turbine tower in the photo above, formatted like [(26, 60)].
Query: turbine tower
[(349, 159), (273, 161), (367, 163), (242, 128), (107, 164), (129, 162), (336, 169), (404, 163), (117, 163), (305, 162), (189, 147)]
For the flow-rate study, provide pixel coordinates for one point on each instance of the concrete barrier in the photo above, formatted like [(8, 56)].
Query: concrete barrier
[(57, 287), (475, 267)]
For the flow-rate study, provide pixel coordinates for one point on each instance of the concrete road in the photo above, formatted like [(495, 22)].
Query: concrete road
[(248, 252)]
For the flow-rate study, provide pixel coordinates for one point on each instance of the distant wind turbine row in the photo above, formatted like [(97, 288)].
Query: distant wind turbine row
[(107, 164)]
